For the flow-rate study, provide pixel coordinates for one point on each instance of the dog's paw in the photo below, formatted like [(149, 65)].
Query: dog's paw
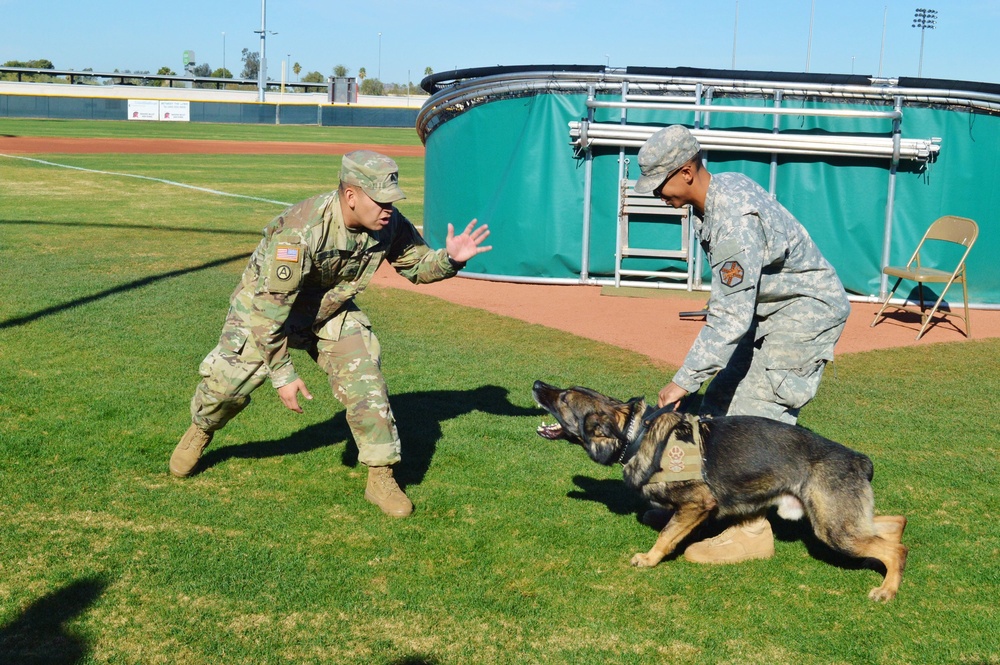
[(881, 594), (643, 560)]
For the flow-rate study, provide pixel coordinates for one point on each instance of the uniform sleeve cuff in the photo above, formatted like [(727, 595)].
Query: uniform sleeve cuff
[(284, 376)]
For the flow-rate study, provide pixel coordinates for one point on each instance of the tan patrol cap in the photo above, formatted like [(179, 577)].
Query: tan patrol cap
[(663, 153), (376, 174)]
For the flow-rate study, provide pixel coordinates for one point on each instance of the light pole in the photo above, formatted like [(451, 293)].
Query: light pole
[(262, 68), (809, 44), (881, 51), (736, 23), (925, 19), (223, 53), (379, 72)]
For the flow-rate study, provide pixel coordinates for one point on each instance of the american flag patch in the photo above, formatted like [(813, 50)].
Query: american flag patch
[(287, 253)]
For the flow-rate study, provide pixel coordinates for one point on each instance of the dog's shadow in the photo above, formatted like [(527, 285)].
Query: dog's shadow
[(611, 492), (621, 501), (801, 530), (418, 418)]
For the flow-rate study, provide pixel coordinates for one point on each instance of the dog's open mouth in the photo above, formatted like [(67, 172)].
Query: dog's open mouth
[(553, 431)]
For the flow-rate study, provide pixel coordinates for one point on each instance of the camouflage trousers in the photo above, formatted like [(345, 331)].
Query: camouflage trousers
[(353, 365), (773, 377)]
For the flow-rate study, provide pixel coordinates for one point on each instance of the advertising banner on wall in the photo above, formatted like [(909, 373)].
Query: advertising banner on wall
[(143, 109), (175, 111), (151, 109)]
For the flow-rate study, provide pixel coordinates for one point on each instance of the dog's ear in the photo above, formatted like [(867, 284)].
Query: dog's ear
[(601, 437)]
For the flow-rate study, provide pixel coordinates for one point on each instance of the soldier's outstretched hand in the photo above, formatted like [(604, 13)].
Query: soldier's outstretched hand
[(463, 247)]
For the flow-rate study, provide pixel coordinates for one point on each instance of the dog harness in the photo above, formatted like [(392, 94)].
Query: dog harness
[(681, 459)]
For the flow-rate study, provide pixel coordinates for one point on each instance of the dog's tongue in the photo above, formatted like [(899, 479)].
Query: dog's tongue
[(553, 431)]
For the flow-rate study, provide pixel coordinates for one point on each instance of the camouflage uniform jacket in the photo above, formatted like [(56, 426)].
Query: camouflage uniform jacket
[(764, 267), (301, 281)]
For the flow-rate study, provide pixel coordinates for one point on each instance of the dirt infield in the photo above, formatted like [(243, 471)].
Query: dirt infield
[(647, 323), (60, 145)]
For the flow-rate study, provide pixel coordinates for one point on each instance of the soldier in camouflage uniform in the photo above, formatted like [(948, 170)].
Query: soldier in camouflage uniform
[(298, 291), (776, 310)]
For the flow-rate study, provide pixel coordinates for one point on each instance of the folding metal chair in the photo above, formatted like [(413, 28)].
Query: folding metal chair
[(950, 229)]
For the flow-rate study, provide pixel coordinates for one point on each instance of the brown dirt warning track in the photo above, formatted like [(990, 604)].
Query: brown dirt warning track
[(646, 321)]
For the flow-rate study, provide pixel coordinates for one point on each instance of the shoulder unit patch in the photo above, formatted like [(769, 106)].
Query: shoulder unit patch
[(731, 273)]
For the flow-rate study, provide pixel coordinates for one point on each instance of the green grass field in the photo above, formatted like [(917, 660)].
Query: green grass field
[(115, 288)]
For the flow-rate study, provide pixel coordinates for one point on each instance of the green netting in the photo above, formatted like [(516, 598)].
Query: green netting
[(510, 163)]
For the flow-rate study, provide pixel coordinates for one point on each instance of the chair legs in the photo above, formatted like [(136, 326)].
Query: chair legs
[(925, 316), (885, 303)]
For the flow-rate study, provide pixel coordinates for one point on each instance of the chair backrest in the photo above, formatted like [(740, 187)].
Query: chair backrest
[(950, 228), (959, 230)]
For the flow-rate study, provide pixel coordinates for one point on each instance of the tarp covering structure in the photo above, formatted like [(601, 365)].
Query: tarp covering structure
[(513, 147)]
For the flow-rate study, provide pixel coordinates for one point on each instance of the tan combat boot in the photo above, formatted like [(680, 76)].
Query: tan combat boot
[(188, 451), (740, 542), (383, 491)]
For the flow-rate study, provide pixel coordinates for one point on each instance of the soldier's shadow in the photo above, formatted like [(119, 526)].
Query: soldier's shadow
[(418, 418)]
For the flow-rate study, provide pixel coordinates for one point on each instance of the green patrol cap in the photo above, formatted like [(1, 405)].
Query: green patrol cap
[(376, 174), (663, 153)]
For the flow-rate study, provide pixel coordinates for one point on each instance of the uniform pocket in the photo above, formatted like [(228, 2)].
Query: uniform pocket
[(793, 388)]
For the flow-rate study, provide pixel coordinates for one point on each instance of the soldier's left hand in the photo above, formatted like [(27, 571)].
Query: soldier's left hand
[(463, 247)]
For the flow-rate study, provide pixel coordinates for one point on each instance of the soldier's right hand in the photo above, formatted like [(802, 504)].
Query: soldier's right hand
[(289, 394)]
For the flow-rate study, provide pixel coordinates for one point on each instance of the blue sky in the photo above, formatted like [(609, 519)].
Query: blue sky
[(105, 35)]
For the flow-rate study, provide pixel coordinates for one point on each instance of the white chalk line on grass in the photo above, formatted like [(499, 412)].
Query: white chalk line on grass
[(146, 177)]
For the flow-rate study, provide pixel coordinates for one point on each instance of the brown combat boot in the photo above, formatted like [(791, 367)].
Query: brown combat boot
[(188, 451), (740, 542), (383, 491)]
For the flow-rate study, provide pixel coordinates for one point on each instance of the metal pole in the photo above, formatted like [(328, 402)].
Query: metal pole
[(809, 45), (925, 19), (588, 184), (223, 53), (262, 68), (883, 285), (920, 62), (379, 74), (881, 51), (736, 23)]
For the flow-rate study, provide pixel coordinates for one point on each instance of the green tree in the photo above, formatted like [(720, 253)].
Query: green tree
[(340, 70), (362, 74), (251, 64), (221, 73), (428, 71), (31, 64), (296, 68), (372, 87), (312, 77), (163, 71)]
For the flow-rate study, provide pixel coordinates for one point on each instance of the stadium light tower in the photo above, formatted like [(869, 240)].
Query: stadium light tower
[(262, 65), (925, 19)]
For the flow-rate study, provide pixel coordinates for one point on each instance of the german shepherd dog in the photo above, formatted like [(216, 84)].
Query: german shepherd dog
[(748, 464)]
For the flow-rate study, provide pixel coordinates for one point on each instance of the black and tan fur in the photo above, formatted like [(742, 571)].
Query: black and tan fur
[(749, 465)]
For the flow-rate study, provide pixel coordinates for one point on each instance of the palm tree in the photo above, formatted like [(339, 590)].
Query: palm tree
[(362, 73)]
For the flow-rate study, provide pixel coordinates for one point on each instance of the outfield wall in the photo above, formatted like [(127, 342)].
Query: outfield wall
[(89, 102), (499, 147)]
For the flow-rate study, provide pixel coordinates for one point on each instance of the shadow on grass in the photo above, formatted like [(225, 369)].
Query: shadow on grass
[(621, 501), (128, 286), (418, 417), (612, 492), (40, 634)]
